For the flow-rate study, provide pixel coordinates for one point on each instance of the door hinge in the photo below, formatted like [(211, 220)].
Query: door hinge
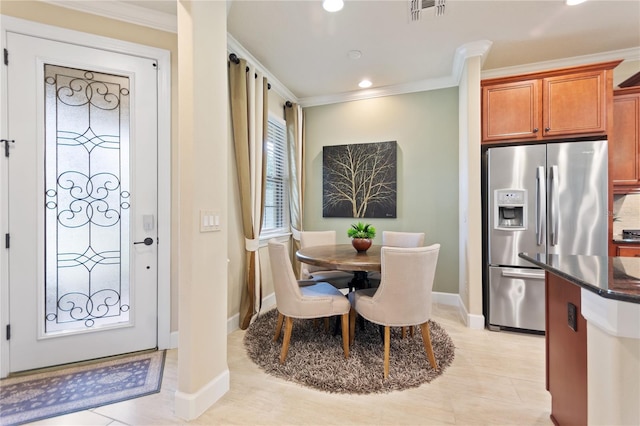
[(8, 331), (6, 145), (6, 56), (6, 240)]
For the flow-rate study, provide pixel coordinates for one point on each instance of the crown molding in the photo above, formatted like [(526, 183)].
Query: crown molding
[(233, 46), (398, 89), (632, 54), (468, 50), (122, 11)]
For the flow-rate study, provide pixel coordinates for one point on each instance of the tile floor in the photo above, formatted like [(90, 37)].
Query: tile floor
[(497, 378)]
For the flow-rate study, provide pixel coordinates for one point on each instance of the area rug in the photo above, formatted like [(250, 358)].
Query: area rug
[(38, 396), (316, 359)]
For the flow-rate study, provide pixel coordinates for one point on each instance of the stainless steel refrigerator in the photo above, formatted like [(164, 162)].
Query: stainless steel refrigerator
[(547, 198)]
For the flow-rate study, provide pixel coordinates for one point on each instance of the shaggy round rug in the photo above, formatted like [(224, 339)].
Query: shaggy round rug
[(316, 358)]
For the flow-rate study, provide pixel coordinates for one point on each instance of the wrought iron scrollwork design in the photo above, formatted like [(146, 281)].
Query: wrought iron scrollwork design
[(86, 197)]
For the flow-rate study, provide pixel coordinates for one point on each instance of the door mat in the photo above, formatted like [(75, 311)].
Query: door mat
[(54, 393)]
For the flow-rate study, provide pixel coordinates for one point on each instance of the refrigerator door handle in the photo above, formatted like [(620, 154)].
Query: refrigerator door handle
[(555, 204), (541, 196), (518, 273)]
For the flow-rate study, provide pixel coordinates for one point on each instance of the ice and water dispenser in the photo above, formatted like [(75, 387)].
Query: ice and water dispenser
[(511, 209)]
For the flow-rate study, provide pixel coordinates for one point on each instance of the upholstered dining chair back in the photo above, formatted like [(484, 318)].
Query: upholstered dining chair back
[(402, 239), (404, 295), (397, 239), (285, 285), (314, 238)]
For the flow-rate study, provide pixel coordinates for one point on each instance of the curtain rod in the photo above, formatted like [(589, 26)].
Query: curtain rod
[(234, 58)]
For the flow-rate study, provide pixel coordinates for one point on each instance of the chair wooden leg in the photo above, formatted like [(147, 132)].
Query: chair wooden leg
[(288, 326), (352, 325), (404, 332), (278, 327), (345, 334), (426, 340), (411, 331), (387, 347), (326, 324)]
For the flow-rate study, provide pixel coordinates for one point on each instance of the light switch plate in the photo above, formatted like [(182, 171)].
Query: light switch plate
[(209, 220)]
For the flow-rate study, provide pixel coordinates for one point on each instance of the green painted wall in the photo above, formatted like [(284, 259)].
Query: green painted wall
[(425, 126)]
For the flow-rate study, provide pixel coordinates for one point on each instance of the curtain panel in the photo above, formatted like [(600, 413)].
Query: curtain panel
[(294, 118), (248, 101)]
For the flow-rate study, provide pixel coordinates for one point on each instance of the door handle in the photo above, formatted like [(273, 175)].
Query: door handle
[(555, 204), (147, 241), (541, 196), (515, 273)]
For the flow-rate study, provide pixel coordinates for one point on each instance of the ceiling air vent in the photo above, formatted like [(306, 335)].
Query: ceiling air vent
[(416, 7)]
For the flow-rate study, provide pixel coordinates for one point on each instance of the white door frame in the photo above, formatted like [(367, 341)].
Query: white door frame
[(163, 58)]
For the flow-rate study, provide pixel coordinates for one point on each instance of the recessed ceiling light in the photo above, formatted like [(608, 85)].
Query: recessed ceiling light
[(364, 84), (332, 5), (574, 2)]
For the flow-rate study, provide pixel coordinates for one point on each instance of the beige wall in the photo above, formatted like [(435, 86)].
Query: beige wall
[(51, 15), (625, 70), (425, 126)]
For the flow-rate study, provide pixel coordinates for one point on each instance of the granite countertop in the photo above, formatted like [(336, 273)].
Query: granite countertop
[(620, 240), (610, 277)]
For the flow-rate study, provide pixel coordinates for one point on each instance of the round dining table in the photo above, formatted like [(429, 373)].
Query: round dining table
[(343, 257)]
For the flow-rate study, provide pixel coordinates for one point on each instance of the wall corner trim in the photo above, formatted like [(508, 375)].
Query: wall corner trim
[(190, 406)]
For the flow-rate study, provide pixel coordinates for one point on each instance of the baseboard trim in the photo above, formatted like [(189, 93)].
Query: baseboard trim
[(189, 406), (173, 340), (233, 322), (473, 321)]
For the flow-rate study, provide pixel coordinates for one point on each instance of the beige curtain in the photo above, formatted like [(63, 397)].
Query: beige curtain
[(293, 115), (248, 98)]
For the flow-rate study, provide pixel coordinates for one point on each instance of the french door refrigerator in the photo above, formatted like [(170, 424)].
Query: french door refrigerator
[(546, 198)]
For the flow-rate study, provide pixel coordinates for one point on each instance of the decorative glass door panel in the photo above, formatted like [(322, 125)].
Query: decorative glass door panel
[(82, 189), (86, 199)]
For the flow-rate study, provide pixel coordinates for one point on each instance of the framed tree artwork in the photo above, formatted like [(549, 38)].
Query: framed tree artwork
[(359, 180)]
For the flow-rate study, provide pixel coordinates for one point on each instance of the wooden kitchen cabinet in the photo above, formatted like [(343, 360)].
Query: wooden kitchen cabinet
[(568, 102), (628, 251), (624, 146), (566, 351)]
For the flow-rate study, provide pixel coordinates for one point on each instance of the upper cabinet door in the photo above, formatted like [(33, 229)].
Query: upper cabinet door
[(511, 111), (574, 104), (549, 105), (624, 148)]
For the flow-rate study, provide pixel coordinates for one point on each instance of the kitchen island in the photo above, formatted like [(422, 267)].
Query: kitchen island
[(592, 320)]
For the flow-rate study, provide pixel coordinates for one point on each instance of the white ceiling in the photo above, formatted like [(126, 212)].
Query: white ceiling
[(306, 49)]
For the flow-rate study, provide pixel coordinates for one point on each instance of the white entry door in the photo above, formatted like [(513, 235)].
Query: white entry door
[(82, 202)]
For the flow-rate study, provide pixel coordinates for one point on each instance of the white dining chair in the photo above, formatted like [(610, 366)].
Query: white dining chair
[(320, 300), (397, 239), (403, 297)]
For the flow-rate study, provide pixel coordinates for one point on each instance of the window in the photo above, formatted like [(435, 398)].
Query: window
[(276, 198)]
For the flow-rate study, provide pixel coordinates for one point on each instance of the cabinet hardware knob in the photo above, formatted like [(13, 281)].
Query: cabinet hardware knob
[(535, 130), (546, 129)]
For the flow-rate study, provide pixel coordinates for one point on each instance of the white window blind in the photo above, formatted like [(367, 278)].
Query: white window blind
[(276, 200)]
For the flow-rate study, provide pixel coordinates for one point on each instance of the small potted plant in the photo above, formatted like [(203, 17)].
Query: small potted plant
[(361, 235)]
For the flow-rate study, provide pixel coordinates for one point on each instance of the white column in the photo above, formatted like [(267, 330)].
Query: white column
[(203, 375), (613, 360)]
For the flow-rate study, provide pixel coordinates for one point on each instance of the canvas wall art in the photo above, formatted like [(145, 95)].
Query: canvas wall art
[(359, 180)]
